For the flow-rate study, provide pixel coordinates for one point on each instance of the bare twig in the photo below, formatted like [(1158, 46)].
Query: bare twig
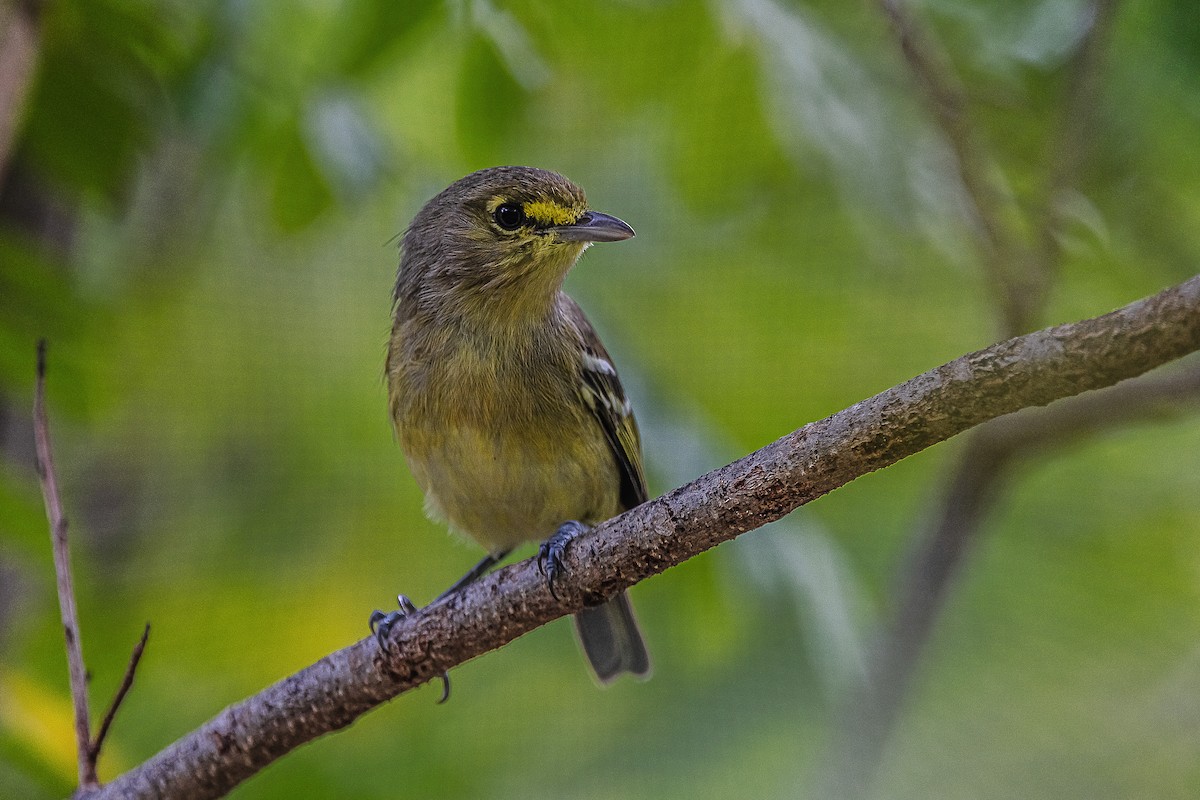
[(62, 572), (119, 697), (1034, 369)]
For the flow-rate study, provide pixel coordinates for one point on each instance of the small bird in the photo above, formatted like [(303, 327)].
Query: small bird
[(507, 406)]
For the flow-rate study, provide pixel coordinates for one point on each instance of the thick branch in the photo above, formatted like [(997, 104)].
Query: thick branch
[(1030, 370)]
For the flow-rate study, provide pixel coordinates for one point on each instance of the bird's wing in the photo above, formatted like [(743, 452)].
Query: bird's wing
[(606, 398)]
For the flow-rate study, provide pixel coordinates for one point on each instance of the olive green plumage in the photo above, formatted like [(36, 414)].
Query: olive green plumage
[(506, 404)]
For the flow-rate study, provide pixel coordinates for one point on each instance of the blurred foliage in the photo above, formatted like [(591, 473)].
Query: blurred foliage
[(227, 178)]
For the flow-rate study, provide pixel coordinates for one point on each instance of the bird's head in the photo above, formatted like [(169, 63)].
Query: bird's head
[(500, 240)]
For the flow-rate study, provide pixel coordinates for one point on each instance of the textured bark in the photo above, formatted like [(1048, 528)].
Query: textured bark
[(1029, 370)]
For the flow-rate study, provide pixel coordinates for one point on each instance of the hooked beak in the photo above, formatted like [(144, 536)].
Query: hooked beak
[(594, 227)]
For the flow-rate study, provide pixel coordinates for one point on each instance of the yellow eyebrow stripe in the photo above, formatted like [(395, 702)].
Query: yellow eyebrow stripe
[(547, 212)]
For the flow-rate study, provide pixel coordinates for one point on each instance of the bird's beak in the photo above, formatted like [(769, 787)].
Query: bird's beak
[(594, 227)]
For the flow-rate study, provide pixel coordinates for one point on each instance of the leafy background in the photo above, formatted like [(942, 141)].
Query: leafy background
[(199, 215)]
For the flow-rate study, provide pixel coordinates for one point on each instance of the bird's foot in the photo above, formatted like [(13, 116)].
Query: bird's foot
[(382, 624), (550, 554)]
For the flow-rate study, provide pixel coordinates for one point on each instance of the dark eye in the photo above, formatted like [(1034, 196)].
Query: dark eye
[(509, 216)]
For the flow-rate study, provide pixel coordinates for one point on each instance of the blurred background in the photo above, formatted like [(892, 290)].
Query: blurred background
[(198, 209)]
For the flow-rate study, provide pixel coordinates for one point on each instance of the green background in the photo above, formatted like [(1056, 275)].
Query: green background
[(219, 185)]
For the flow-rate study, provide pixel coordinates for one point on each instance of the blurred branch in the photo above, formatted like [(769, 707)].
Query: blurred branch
[(976, 481), (974, 485), (1020, 275), (1069, 148), (992, 210), (62, 573), (18, 57), (1029, 370)]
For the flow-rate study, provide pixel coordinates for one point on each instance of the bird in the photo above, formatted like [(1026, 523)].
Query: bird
[(506, 404)]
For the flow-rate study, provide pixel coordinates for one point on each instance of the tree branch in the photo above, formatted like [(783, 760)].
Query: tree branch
[(1151, 397), (1029, 370), (62, 573)]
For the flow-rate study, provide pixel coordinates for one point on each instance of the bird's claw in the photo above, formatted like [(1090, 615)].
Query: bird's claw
[(550, 563), (550, 554), (381, 625)]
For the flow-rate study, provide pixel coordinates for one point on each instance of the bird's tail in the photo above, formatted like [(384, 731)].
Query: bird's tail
[(611, 640)]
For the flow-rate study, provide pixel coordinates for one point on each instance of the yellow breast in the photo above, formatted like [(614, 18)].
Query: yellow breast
[(502, 447)]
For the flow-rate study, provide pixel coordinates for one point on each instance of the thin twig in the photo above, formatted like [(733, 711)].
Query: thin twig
[(62, 572), (119, 697)]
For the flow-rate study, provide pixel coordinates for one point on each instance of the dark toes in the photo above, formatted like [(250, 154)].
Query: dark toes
[(381, 624), (550, 564), (550, 554), (384, 625)]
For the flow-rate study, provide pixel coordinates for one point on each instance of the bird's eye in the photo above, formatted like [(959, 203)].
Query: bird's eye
[(509, 216)]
